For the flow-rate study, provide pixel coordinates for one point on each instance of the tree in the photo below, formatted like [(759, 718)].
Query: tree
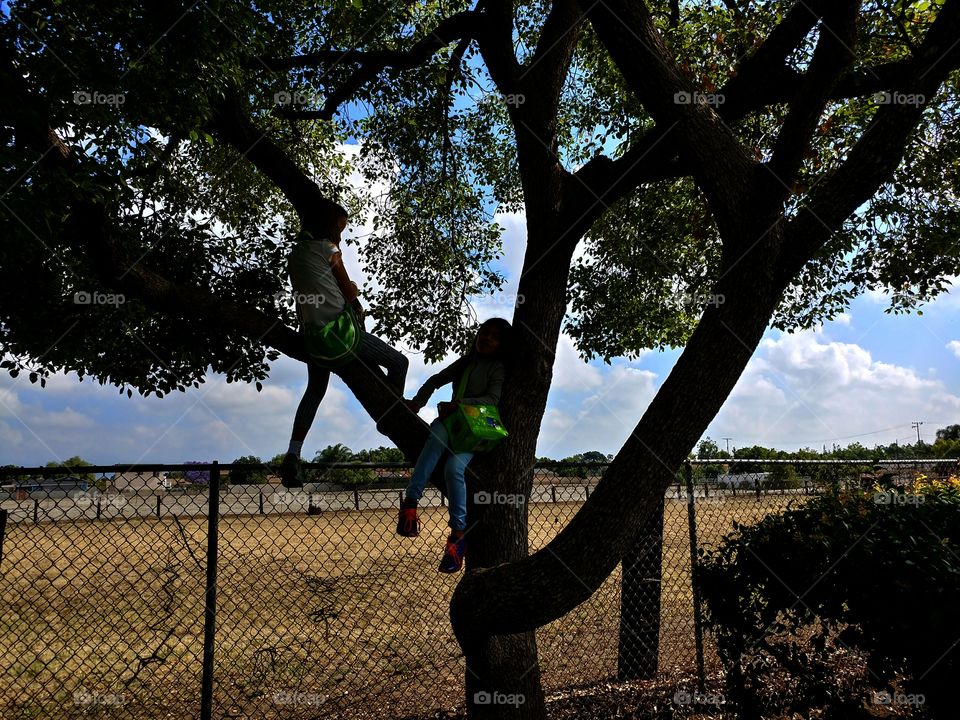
[(730, 166), (339, 453), (380, 455), (251, 471), (950, 432), (709, 450), (71, 464)]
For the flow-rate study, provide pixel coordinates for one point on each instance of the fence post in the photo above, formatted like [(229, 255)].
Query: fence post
[(356, 498), (261, 502), (3, 531), (638, 646), (553, 494), (158, 506), (36, 511), (756, 483), (98, 507), (210, 594), (697, 619)]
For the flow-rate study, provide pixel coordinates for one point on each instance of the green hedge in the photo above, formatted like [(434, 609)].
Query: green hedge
[(876, 572)]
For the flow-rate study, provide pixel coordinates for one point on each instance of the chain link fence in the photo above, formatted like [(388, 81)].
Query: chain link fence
[(212, 591)]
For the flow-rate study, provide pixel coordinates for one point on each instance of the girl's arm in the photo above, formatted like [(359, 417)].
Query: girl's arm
[(347, 287), (447, 375)]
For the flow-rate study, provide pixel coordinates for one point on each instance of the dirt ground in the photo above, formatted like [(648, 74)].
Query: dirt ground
[(326, 615)]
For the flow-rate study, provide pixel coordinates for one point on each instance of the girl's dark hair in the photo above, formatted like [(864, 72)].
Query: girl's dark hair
[(505, 351)]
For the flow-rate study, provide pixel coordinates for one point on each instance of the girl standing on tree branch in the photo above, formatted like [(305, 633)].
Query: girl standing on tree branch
[(322, 289)]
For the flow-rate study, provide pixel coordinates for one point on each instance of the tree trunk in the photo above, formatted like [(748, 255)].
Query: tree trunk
[(503, 675), (638, 649)]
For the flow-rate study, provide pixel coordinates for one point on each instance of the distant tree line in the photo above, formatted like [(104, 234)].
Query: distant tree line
[(254, 470)]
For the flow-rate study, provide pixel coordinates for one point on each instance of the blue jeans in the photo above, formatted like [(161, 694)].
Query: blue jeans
[(452, 472)]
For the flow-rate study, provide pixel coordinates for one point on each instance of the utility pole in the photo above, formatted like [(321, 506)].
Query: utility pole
[(917, 425), (728, 444)]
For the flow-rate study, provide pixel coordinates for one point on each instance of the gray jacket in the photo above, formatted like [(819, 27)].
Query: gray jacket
[(483, 385)]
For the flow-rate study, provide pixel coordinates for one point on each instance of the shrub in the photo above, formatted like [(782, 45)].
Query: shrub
[(874, 572)]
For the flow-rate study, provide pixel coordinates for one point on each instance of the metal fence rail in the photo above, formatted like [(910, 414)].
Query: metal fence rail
[(125, 596)]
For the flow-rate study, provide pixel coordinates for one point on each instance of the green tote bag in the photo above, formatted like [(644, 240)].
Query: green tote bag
[(473, 428)]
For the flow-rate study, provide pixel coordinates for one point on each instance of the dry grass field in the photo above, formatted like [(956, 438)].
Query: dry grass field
[(326, 615)]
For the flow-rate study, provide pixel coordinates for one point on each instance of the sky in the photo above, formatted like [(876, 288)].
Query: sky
[(864, 377)]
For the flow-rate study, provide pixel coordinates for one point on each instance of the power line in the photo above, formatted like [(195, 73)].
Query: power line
[(848, 437)]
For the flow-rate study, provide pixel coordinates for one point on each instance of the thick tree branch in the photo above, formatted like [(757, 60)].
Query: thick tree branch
[(541, 82), (878, 152), (767, 65), (653, 156), (555, 46), (761, 79), (232, 124), (496, 46), (832, 57), (721, 165)]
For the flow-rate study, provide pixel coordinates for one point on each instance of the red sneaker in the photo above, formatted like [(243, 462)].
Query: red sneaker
[(408, 524), (452, 559)]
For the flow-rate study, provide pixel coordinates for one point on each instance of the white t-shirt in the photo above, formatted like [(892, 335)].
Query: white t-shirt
[(315, 289)]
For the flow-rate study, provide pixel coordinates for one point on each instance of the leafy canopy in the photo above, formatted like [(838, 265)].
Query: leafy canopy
[(135, 89)]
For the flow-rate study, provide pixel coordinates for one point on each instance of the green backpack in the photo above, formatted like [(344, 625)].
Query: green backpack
[(473, 428), (335, 344)]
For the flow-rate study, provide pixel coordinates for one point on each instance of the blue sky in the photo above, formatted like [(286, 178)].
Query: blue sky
[(864, 377)]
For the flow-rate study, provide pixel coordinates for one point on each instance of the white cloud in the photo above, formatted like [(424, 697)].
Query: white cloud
[(600, 417), (572, 373), (954, 347), (804, 389)]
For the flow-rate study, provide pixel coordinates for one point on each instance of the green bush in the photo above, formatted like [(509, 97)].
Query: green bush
[(872, 572)]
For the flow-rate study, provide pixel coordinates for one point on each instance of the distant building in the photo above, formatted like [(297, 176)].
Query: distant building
[(141, 481), (66, 484), (738, 479)]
